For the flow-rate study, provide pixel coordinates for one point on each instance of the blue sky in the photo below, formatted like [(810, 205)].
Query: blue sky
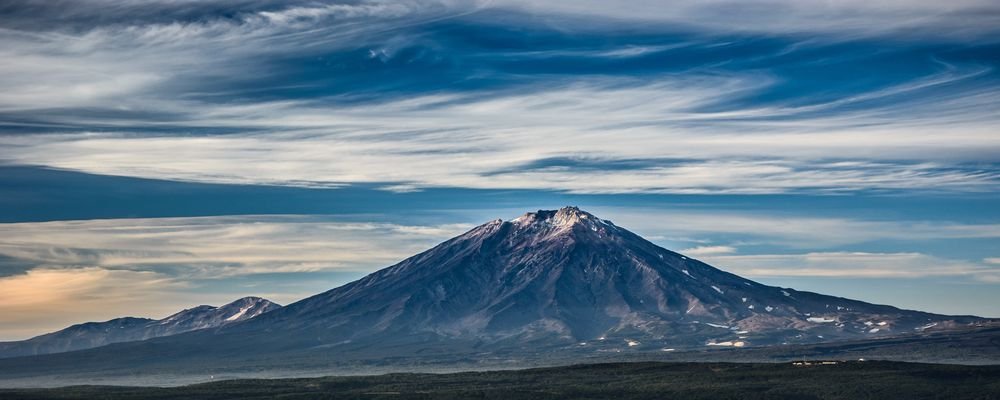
[(159, 154)]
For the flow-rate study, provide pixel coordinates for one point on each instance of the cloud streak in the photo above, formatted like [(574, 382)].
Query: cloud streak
[(218, 247), (791, 231), (463, 141), (859, 265), (960, 19), (317, 93)]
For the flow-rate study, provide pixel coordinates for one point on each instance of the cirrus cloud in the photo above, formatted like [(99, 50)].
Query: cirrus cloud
[(855, 265)]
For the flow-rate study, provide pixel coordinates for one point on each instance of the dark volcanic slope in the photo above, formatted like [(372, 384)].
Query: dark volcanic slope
[(568, 278), (95, 334)]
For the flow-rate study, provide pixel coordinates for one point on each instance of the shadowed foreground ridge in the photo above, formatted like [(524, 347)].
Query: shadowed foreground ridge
[(850, 380)]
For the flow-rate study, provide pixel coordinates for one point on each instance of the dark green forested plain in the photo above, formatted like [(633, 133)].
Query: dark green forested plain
[(845, 380)]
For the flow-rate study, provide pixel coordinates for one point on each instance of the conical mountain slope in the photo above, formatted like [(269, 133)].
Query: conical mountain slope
[(558, 278)]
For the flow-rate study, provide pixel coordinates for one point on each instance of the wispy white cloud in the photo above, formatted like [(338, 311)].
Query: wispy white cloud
[(924, 139), (127, 64), (851, 18), (470, 141), (859, 265), (217, 247), (701, 251), (784, 230)]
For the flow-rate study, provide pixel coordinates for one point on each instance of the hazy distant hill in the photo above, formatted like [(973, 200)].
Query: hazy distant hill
[(95, 334)]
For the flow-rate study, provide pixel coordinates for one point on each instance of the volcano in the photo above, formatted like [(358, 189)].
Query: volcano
[(549, 284), (568, 278)]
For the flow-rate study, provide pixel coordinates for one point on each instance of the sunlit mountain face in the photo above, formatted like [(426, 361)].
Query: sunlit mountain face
[(160, 155)]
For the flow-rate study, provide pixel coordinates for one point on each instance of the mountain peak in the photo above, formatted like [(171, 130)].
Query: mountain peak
[(246, 308), (250, 300), (562, 218)]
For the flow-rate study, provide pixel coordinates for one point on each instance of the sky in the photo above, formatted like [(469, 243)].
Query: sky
[(160, 154)]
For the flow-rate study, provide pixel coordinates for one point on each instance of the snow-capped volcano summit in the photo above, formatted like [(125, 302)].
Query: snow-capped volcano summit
[(562, 218)]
